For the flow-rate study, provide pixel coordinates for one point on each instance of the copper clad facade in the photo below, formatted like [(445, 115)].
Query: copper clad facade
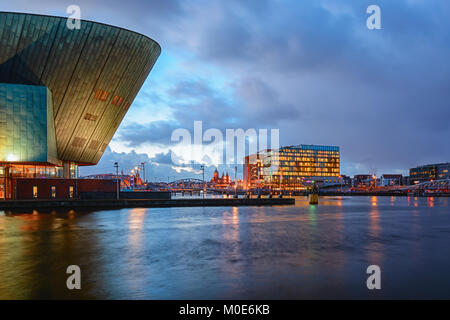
[(93, 74)]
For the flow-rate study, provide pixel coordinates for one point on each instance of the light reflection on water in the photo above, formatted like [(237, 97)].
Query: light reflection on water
[(299, 251)]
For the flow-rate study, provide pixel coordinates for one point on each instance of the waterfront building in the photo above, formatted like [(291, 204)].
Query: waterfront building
[(346, 180), (390, 180), (63, 94), (220, 182), (292, 167), (429, 172), (406, 180), (127, 181), (362, 180)]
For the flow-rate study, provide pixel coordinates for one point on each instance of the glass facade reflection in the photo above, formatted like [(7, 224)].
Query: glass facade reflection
[(27, 130)]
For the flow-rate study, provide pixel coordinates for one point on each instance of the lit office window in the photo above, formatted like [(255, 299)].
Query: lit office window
[(53, 192), (71, 192), (35, 192)]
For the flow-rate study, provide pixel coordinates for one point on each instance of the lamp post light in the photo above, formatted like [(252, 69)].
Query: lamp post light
[(202, 167), (116, 165), (143, 171), (235, 181)]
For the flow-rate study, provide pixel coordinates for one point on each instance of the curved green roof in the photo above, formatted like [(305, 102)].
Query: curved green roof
[(94, 73)]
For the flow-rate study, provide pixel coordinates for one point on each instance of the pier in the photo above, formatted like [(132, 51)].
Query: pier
[(142, 203)]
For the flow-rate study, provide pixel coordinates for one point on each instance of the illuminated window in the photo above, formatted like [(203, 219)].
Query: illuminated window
[(98, 94), (101, 95), (53, 192), (71, 192), (35, 192), (104, 96)]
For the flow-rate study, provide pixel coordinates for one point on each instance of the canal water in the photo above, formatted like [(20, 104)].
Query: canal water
[(282, 252)]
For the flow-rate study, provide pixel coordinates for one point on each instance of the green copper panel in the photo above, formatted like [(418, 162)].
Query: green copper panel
[(27, 129), (94, 73)]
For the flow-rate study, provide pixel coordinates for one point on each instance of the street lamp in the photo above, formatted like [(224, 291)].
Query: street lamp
[(202, 167), (143, 170), (235, 181), (116, 165)]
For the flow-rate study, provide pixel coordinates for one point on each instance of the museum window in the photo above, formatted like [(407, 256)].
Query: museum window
[(104, 96), (101, 95), (90, 117), (98, 94)]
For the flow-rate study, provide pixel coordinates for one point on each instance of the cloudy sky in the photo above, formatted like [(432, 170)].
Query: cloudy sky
[(309, 68)]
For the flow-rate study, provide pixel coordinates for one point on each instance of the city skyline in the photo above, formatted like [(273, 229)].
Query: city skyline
[(313, 70), (224, 152)]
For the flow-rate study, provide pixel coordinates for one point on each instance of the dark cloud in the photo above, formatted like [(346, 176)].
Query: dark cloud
[(191, 89), (157, 132), (262, 105), (163, 158), (310, 68), (256, 105)]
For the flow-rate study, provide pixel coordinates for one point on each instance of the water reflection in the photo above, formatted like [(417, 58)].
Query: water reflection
[(430, 202), (34, 253), (299, 251), (375, 250), (231, 259), (374, 201), (135, 225), (312, 216), (230, 234)]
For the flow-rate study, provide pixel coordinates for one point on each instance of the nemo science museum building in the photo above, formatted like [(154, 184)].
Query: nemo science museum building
[(63, 94)]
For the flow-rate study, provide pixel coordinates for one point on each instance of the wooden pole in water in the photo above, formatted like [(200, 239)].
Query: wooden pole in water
[(314, 195), (313, 198)]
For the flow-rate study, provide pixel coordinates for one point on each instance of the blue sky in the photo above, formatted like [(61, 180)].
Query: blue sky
[(309, 68)]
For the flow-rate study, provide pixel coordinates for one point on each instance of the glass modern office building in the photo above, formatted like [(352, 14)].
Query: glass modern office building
[(291, 168), (63, 92), (437, 171)]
